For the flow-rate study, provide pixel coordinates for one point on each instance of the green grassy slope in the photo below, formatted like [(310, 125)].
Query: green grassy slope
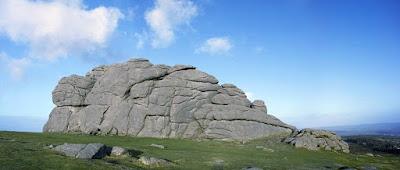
[(26, 151)]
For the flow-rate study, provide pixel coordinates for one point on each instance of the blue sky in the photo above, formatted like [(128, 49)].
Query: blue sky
[(314, 62)]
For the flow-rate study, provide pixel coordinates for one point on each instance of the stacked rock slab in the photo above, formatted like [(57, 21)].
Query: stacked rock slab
[(315, 139), (138, 98)]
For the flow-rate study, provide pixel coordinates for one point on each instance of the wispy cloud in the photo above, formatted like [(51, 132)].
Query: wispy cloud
[(216, 46), (54, 29), (259, 49), (130, 13), (166, 17), (15, 67), (250, 96), (141, 39), (18, 66)]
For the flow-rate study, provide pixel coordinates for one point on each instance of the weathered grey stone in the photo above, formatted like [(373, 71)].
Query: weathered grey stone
[(231, 90), (139, 63), (141, 90), (155, 126), (92, 151), (259, 105), (180, 67), (117, 118), (72, 90), (59, 119), (238, 129), (137, 98), (370, 154), (97, 72), (153, 162), (225, 99), (194, 75), (90, 118), (69, 149), (237, 112), (203, 87), (83, 151), (157, 146), (228, 85), (315, 139), (118, 151)]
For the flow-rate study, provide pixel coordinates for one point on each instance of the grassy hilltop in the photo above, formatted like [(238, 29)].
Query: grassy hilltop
[(27, 151)]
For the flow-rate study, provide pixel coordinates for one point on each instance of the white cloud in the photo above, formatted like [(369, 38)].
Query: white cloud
[(18, 66), (216, 46), (54, 29), (15, 66), (250, 96), (3, 56), (141, 39), (166, 17)]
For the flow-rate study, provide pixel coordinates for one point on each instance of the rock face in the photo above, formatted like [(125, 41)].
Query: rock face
[(138, 98), (314, 139)]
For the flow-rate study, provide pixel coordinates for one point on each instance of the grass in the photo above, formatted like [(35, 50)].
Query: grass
[(26, 151)]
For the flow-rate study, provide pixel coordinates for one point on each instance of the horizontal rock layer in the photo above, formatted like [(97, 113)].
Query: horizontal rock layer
[(138, 98)]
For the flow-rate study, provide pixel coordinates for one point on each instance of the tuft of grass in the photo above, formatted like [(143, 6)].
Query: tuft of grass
[(27, 151)]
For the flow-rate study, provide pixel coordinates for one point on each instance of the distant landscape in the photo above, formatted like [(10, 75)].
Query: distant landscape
[(35, 124), (389, 129), (22, 123)]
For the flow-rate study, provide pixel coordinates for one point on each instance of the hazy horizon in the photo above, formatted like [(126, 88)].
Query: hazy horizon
[(314, 63), (35, 124)]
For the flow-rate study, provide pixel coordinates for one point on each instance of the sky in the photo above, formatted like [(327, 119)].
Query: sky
[(314, 62)]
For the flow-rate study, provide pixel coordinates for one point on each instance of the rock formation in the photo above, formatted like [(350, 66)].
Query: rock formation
[(138, 98), (83, 151), (315, 139)]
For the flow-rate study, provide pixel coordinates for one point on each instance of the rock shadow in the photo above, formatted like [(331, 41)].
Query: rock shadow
[(103, 152), (135, 153)]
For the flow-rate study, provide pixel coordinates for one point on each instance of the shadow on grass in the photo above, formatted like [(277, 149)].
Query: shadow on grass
[(135, 153)]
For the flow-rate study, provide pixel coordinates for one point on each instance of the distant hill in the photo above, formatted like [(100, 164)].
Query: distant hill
[(375, 144), (391, 129)]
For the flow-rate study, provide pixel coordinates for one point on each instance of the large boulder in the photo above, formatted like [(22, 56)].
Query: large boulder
[(137, 98), (316, 139), (83, 151)]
